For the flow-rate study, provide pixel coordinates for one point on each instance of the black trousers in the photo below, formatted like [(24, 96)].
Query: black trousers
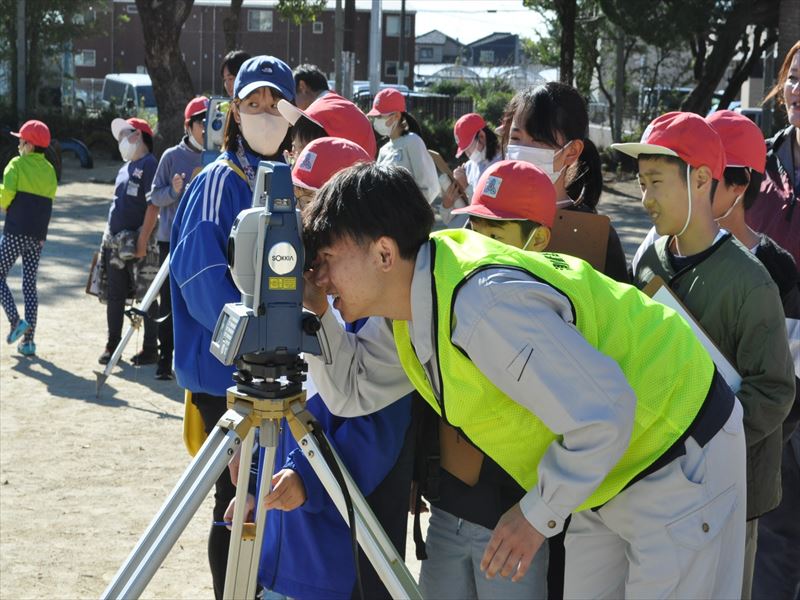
[(165, 337), (120, 285), (219, 539)]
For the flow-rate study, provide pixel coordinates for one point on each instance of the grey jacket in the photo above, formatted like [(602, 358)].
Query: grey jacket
[(734, 299)]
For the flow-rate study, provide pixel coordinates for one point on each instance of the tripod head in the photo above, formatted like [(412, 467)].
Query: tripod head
[(218, 107), (265, 333)]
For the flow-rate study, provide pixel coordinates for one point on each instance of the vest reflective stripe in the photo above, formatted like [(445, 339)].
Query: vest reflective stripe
[(666, 366)]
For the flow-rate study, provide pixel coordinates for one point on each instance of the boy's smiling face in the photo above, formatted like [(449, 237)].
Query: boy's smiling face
[(664, 194)]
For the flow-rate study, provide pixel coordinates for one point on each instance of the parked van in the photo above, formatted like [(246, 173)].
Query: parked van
[(130, 94)]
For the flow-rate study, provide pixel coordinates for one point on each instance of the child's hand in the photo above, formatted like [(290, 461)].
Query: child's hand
[(460, 175), (141, 247), (288, 491), (248, 509), (177, 182)]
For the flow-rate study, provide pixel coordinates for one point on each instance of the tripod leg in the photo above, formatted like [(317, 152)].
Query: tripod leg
[(189, 493), (144, 305), (373, 540), (241, 577)]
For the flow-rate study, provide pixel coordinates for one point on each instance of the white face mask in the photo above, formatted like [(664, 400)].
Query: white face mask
[(478, 156), (380, 125), (193, 143), (127, 150), (538, 157), (264, 132)]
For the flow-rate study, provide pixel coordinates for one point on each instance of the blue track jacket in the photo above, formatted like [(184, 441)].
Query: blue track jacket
[(199, 278)]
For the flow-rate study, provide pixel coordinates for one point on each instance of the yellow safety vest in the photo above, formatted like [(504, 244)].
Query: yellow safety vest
[(664, 363)]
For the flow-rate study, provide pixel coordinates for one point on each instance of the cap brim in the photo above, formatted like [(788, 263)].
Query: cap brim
[(300, 184), (16, 134), (634, 149), (118, 126), (292, 114), (254, 85), (484, 212), (459, 152), (374, 113)]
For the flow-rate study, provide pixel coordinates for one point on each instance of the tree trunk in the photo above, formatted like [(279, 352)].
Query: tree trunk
[(230, 26), (789, 30), (746, 66), (567, 11), (172, 84)]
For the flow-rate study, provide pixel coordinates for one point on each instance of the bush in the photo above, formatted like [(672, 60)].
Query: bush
[(438, 136)]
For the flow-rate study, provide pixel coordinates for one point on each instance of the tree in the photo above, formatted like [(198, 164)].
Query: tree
[(172, 84), (230, 26), (50, 26), (566, 12), (300, 11)]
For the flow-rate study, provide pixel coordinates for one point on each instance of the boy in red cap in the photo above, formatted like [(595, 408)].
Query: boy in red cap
[(729, 292), (515, 203), (27, 193), (120, 239), (177, 167)]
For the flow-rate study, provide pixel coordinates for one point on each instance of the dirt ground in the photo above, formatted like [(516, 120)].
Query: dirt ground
[(80, 476)]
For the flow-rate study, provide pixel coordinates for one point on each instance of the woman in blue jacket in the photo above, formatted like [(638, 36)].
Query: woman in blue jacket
[(200, 281)]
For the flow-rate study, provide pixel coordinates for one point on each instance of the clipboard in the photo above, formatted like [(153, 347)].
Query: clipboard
[(660, 292), (444, 168), (580, 234)]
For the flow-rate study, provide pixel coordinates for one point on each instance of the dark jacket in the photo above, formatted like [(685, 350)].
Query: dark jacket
[(27, 192), (775, 212), (734, 299)]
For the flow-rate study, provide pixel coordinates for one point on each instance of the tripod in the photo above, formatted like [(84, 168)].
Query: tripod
[(261, 403), (136, 315)]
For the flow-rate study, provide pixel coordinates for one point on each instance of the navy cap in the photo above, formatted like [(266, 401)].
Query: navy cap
[(264, 71)]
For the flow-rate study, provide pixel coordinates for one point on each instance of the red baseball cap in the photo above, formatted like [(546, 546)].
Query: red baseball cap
[(338, 117), (513, 190), (465, 130), (195, 107), (685, 135), (34, 132), (323, 158), (119, 125), (387, 101), (742, 139)]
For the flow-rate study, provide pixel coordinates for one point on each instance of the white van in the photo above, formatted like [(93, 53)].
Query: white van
[(130, 94)]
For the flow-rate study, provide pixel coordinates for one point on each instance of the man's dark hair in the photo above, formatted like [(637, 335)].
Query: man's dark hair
[(739, 176), (366, 202), (39, 149), (312, 76), (492, 143), (148, 140), (306, 131), (233, 62), (199, 117), (681, 164)]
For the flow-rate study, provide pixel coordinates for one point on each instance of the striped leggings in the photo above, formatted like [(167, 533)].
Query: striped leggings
[(11, 247)]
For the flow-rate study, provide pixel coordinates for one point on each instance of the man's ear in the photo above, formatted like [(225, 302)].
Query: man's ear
[(702, 176), (387, 252)]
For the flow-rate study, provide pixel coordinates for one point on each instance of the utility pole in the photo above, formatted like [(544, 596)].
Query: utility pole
[(375, 37), (338, 47), (401, 63), (21, 60), (348, 49)]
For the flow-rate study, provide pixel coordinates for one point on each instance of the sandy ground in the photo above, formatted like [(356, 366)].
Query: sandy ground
[(80, 476)]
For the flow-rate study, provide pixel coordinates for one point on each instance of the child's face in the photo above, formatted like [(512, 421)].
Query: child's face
[(508, 232), (664, 194)]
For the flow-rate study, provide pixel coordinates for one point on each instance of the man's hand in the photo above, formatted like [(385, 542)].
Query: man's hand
[(314, 298), (248, 510), (288, 491), (512, 547), (233, 466), (177, 183), (141, 246)]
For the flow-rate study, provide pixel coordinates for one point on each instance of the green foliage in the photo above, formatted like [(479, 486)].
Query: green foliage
[(438, 136), (449, 88), (300, 11), (489, 96), (541, 51)]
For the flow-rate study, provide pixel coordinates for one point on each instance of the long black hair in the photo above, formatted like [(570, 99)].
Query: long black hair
[(554, 108)]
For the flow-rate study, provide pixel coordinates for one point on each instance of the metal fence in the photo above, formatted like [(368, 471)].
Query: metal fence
[(438, 107)]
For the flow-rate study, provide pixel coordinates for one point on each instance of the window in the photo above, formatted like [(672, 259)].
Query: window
[(317, 27), (259, 20), (425, 53), (486, 57), (85, 58), (393, 26), (390, 68), (131, 9)]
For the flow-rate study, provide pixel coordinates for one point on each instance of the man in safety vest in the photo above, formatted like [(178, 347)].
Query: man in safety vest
[(596, 400)]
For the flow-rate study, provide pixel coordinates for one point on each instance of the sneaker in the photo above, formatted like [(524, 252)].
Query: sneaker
[(164, 370), (27, 348), (18, 331), (145, 357), (105, 356)]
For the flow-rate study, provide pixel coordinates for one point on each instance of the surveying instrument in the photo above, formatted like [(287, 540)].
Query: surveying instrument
[(264, 336)]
